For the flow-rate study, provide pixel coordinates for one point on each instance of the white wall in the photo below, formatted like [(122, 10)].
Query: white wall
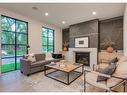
[(125, 31), (34, 30)]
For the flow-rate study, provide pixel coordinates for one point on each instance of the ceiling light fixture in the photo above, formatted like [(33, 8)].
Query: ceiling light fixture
[(46, 14), (94, 13), (63, 22)]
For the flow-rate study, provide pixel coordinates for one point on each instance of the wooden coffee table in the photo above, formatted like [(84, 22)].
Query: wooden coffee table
[(64, 73)]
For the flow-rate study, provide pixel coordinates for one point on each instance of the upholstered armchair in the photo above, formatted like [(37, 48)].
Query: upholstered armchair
[(117, 78), (104, 58)]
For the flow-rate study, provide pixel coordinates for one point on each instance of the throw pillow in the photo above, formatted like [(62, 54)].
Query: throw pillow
[(25, 56), (31, 57), (48, 56), (114, 60), (109, 70)]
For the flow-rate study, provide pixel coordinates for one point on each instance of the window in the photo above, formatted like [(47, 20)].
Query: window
[(14, 42), (47, 39)]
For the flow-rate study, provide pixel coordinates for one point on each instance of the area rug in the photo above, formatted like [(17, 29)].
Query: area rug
[(39, 82)]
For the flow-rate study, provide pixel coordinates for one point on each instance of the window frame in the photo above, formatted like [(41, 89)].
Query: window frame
[(48, 39), (16, 56)]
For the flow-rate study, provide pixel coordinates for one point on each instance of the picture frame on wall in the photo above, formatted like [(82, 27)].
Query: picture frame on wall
[(82, 42)]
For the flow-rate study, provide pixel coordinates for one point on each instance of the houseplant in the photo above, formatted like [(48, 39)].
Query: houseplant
[(65, 46), (108, 43)]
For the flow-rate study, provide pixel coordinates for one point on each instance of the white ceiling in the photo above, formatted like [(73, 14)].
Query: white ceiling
[(71, 13)]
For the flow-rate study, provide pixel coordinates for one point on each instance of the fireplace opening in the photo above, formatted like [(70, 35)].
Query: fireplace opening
[(82, 58)]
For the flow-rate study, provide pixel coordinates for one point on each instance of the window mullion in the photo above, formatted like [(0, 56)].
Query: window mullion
[(47, 40), (49, 47), (15, 46)]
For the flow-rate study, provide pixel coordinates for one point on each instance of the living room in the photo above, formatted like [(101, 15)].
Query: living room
[(63, 47)]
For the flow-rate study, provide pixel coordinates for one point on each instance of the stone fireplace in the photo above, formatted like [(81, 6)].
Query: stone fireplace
[(82, 58), (91, 54)]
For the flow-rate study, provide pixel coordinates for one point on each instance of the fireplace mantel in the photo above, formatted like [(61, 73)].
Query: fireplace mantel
[(93, 54)]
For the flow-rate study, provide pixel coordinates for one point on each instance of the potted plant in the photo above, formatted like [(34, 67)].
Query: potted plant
[(109, 44), (65, 46)]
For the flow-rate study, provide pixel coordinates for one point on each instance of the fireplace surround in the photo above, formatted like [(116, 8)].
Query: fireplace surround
[(92, 55)]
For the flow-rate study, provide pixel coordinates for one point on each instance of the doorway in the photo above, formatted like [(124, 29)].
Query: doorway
[(14, 42)]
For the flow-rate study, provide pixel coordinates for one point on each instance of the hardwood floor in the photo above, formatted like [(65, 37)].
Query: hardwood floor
[(12, 81), (16, 82)]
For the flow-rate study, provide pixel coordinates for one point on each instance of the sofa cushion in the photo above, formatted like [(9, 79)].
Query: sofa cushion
[(121, 70), (40, 57), (108, 70), (54, 60), (40, 63), (122, 59), (91, 78)]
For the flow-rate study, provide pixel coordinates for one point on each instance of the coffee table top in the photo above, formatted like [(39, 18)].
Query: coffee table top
[(67, 66)]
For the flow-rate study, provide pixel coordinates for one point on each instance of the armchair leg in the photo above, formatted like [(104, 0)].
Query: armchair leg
[(21, 71), (28, 75), (108, 91), (124, 86), (84, 81)]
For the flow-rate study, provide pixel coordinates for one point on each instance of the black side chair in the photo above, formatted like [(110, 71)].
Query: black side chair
[(57, 56)]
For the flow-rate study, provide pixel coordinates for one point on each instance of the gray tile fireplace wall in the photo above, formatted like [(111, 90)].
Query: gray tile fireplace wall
[(112, 29), (88, 28), (97, 31)]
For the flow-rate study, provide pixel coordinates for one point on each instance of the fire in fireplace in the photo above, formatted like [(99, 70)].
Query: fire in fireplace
[(83, 58)]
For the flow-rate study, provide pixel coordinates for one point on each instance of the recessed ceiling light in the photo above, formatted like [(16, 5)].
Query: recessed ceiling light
[(34, 8), (94, 13), (46, 14), (63, 22)]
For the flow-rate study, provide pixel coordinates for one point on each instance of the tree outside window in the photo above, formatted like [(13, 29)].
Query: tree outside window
[(47, 39)]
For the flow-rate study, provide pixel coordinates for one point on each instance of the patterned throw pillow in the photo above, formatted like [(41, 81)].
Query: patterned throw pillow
[(109, 70), (114, 60), (31, 57)]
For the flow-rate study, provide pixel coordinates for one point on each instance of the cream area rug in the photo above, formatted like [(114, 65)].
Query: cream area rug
[(16, 82), (39, 82)]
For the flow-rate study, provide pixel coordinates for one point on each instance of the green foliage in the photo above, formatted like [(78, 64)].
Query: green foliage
[(21, 39), (14, 33), (47, 40), (21, 27), (9, 67), (9, 26), (9, 49), (21, 50), (8, 37)]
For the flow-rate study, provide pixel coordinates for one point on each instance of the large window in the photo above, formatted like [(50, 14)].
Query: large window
[(14, 42), (47, 39)]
